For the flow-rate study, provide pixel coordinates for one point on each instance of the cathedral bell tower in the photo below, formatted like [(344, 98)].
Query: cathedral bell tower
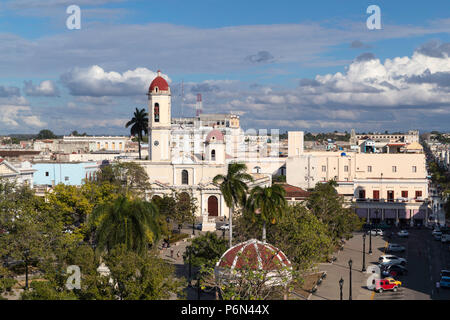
[(159, 113)]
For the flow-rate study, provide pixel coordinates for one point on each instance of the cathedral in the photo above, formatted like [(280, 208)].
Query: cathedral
[(185, 154)]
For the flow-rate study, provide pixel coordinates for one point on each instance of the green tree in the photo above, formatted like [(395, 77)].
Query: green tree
[(125, 177), (185, 208), (139, 125), (326, 204), (141, 277), (266, 205), (70, 203), (46, 134), (234, 188), (133, 223), (302, 237), (205, 250), (45, 290)]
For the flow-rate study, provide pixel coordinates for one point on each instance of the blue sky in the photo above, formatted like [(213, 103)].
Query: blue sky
[(297, 65)]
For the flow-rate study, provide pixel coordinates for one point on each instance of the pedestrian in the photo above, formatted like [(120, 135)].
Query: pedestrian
[(171, 253), (438, 285), (178, 254)]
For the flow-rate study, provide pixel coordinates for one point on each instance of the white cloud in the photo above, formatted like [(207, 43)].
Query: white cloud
[(96, 82), (18, 115), (373, 83), (45, 89)]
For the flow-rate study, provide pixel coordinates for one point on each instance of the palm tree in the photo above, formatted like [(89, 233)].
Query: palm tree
[(139, 124), (234, 188), (130, 222), (267, 204)]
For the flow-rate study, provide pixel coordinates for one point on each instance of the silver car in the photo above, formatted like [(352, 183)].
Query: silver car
[(393, 247), (403, 233)]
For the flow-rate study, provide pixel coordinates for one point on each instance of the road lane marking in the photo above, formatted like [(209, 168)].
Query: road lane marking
[(373, 295)]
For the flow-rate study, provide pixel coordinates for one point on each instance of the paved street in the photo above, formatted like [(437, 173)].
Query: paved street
[(425, 256), (329, 289)]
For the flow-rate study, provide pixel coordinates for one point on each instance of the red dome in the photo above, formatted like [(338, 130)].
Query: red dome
[(214, 135), (254, 254), (159, 82)]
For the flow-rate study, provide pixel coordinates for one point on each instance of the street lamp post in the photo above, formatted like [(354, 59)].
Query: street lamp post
[(190, 265), (168, 236), (26, 254), (364, 253), (350, 262), (370, 239), (341, 284), (193, 227)]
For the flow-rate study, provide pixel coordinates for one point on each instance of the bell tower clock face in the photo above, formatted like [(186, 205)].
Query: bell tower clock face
[(156, 143)]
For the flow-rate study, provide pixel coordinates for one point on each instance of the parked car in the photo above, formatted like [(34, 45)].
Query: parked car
[(445, 282), (388, 259), (394, 247), (376, 232), (445, 273), (445, 237), (403, 233), (199, 226), (436, 231), (387, 284), (224, 227), (394, 270)]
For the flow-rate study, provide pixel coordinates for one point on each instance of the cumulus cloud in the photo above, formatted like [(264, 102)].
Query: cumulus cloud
[(96, 82), (401, 81), (13, 116), (442, 79), (45, 89), (411, 91), (435, 48)]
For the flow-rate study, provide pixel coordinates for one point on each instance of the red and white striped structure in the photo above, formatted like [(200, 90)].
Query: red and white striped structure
[(255, 255)]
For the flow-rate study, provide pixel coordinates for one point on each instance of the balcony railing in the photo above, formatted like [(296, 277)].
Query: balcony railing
[(395, 200)]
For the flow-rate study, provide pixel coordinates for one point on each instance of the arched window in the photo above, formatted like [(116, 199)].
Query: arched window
[(156, 112), (213, 155), (184, 177), (257, 169)]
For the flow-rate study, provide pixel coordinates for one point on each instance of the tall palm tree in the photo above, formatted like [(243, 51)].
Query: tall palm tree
[(139, 124), (267, 204), (234, 188), (124, 221)]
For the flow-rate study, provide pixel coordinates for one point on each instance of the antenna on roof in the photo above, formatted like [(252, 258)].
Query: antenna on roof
[(199, 105), (182, 98)]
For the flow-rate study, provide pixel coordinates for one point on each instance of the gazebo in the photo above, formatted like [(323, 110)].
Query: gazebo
[(256, 256)]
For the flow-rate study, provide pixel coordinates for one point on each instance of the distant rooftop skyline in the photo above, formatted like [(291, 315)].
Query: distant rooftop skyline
[(311, 66)]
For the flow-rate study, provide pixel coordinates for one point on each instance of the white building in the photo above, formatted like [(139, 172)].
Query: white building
[(186, 154), (20, 172)]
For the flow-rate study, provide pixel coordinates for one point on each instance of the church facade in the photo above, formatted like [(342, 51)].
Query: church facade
[(186, 154)]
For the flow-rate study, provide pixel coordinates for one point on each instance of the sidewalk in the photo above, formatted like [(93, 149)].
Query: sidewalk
[(329, 288)]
